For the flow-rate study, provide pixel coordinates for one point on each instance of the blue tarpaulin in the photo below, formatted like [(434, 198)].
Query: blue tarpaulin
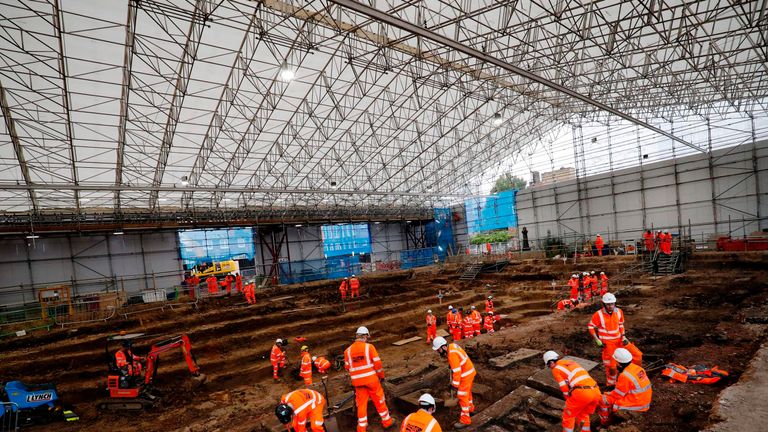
[(492, 212), (346, 239), (418, 257)]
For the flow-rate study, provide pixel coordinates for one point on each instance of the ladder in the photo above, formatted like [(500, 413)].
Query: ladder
[(471, 271)]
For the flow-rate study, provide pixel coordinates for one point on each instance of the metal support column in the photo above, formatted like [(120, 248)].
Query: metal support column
[(677, 180), (642, 178), (759, 212), (613, 187), (710, 162)]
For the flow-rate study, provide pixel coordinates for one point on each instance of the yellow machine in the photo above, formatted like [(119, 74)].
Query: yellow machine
[(55, 300), (221, 268)]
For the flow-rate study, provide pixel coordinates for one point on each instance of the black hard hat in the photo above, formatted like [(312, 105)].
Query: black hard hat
[(127, 343), (283, 413)]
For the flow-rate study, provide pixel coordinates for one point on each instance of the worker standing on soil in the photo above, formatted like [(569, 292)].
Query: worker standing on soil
[(468, 327), (455, 324), (305, 370), (365, 369), (607, 329), (585, 281), (228, 281), (354, 286), (322, 365), (477, 320), (422, 420), (489, 304), (431, 326), (594, 284), (213, 286), (250, 293), (599, 244), (633, 388), (603, 283), (238, 283), (299, 406), (343, 289), (277, 358), (488, 323), (579, 390), (574, 284), (462, 376)]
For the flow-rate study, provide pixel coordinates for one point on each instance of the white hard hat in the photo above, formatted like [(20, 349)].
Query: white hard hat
[(593, 272), (602, 272), (429, 310), (574, 275), (450, 307), (438, 342), (598, 235), (586, 273), (314, 358), (362, 330), (426, 399), (609, 298), (549, 356), (279, 341), (473, 308), (353, 275), (345, 278), (622, 355), (490, 297)]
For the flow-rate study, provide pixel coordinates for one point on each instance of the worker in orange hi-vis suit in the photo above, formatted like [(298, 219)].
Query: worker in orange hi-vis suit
[(603, 283), (599, 244), (238, 283), (594, 282), (365, 369), (422, 420), (213, 285), (343, 288), (607, 329), (250, 293), (277, 357), (462, 376), (477, 320), (633, 390), (489, 304), (305, 371), (299, 406), (455, 324), (581, 393), (354, 287), (648, 240), (468, 327), (229, 280), (574, 284), (321, 364), (488, 323), (431, 326)]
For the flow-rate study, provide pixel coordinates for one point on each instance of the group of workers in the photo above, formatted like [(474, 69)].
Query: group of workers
[(230, 282), (661, 241), (628, 384), (461, 326), (351, 286), (583, 287), (278, 358)]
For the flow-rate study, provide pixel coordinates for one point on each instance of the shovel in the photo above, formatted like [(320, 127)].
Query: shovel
[(452, 401)]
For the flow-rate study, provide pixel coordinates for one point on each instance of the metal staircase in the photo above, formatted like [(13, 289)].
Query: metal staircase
[(471, 271)]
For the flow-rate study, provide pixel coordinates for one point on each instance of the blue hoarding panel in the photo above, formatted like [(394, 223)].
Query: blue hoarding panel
[(205, 246), (346, 239), (492, 212)]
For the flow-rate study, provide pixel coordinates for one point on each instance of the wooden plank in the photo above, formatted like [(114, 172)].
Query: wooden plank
[(406, 341), (442, 333)]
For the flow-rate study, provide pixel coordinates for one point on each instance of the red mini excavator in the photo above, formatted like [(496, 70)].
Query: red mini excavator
[(131, 390)]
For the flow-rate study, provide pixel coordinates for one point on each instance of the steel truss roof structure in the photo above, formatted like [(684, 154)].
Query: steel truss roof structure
[(185, 107)]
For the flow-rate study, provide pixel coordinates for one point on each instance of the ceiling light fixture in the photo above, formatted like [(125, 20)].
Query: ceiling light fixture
[(33, 236), (118, 232), (184, 181), (498, 119), (286, 73)]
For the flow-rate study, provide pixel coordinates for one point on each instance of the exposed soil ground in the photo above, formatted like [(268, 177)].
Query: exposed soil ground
[(709, 315)]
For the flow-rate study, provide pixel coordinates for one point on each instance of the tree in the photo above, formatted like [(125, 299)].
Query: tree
[(508, 181)]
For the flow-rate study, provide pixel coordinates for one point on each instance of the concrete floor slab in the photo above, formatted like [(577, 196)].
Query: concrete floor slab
[(544, 381), (742, 406)]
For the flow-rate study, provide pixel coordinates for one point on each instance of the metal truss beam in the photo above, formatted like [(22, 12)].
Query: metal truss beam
[(130, 40), (17, 147), (425, 33), (198, 23)]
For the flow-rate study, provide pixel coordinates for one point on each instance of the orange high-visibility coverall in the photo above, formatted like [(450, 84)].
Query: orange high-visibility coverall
[(468, 327), (454, 325), (580, 391), (609, 328), (595, 289), (305, 371), (229, 280), (323, 365), (277, 358), (250, 293), (343, 290), (129, 362), (489, 306), (420, 421), (431, 327), (603, 284), (574, 284), (365, 369), (488, 323), (477, 321), (213, 286), (632, 393), (239, 283), (354, 285), (648, 239), (599, 244), (462, 376), (306, 405)]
